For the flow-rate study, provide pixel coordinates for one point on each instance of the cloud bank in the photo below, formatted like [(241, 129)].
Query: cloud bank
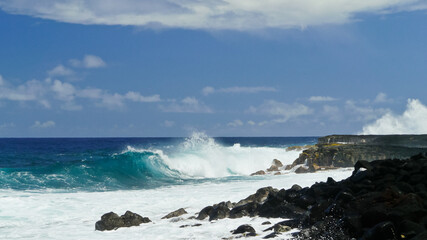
[(281, 112), (68, 95), (208, 14), (412, 121)]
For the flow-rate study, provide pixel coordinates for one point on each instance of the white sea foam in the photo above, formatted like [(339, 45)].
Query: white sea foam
[(200, 156), (61, 215)]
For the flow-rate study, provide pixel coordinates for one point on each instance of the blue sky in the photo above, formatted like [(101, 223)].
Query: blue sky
[(228, 68)]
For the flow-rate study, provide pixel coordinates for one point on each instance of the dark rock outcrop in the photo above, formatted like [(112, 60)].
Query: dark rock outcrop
[(345, 150), (384, 199), (215, 212), (112, 221), (176, 213)]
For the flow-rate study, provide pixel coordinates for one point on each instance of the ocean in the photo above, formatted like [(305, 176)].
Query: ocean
[(57, 188)]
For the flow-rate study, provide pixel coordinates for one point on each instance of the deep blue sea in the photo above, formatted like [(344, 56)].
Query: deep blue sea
[(106, 164)]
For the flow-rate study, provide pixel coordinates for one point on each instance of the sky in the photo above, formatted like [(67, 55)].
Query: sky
[(167, 68)]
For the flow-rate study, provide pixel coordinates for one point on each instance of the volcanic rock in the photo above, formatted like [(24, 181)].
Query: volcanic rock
[(176, 213), (112, 221)]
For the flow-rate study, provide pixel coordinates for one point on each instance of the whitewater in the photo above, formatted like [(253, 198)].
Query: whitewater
[(59, 188)]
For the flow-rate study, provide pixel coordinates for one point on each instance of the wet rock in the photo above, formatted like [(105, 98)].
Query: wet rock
[(260, 172), (302, 169), (176, 213), (277, 163), (259, 197), (272, 168), (271, 235), (204, 213), (112, 221), (248, 209), (288, 167), (219, 211), (194, 225), (281, 228), (383, 230), (246, 228), (373, 203)]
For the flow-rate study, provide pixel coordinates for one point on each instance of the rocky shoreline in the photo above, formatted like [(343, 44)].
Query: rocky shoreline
[(337, 151), (382, 199)]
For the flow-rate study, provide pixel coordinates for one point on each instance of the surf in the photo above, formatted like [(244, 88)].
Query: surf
[(87, 165)]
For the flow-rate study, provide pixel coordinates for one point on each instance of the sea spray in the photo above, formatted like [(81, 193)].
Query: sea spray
[(115, 164)]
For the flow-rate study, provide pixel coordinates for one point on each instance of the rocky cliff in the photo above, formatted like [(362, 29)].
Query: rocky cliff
[(345, 150)]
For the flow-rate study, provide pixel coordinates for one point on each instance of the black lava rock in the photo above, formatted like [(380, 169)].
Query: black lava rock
[(112, 221)]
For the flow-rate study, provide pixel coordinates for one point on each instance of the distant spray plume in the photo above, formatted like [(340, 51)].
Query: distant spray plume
[(412, 121)]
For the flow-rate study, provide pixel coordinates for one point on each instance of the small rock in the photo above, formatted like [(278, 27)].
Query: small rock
[(176, 213), (271, 235), (187, 225), (246, 228), (260, 172), (277, 163), (272, 168), (266, 223), (281, 228), (302, 170)]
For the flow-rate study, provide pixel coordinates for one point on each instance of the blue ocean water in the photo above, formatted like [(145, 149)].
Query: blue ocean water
[(103, 164)]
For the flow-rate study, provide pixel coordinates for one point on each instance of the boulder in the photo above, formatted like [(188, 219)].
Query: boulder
[(275, 165), (302, 169), (176, 213), (246, 228), (112, 221), (260, 172)]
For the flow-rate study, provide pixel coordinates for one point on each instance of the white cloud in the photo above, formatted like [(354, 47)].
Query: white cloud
[(187, 105), (252, 123), (68, 95), (282, 112), (412, 121), (137, 97), (1, 80), (47, 124), (209, 14), (210, 90), (88, 61), (60, 70), (64, 91), (235, 123), (30, 91), (382, 98), (321, 99)]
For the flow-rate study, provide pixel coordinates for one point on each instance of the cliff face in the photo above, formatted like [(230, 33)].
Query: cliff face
[(346, 150)]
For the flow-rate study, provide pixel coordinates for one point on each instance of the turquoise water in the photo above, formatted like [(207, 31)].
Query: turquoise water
[(100, 164)]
